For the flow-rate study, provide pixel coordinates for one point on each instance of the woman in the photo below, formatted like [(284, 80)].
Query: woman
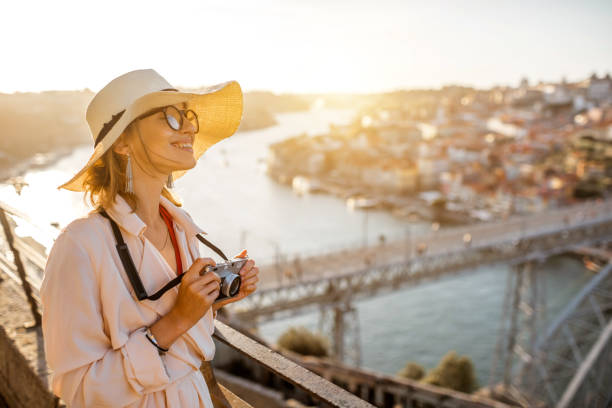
[(112, 337)]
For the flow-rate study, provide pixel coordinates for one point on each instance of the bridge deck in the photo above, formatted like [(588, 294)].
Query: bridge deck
[(351, 260)]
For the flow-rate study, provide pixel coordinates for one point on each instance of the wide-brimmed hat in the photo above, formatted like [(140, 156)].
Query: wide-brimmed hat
[(114, 107)]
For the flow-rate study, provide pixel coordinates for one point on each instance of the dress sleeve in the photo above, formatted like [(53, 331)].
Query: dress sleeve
[(87, 371)]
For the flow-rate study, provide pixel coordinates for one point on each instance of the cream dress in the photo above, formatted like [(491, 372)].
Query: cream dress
[(93, 324)]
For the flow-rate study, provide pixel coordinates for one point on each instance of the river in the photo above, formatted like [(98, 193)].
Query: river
[(238, 205)]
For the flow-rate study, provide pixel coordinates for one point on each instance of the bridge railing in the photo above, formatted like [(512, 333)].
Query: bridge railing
[(416, 245), (22, 262), (320, 286), (522, 225)]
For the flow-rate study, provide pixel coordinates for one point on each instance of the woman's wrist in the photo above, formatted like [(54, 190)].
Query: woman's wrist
[(151, 337), (169, 328), (181, 323), (221, 303)]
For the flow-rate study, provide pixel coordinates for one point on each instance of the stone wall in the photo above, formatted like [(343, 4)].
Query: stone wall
[(23, 371)]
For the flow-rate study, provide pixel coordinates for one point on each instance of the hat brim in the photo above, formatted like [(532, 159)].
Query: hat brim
[(219, 109)]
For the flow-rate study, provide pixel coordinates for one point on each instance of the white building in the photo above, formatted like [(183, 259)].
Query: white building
[(600, 89), (430, 170)]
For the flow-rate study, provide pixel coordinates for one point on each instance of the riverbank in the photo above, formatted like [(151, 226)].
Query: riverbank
[(13, 169), (407, 207)]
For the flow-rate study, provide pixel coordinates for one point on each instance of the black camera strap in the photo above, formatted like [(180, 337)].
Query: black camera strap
[(130, 269), (211, 246)]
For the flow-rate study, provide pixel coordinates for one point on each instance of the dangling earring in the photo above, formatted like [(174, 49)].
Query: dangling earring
[(170, 182), (129, 182)]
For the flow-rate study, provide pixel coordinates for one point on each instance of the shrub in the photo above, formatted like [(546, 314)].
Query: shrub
[(303, 341), (453, 372), (412, 370)]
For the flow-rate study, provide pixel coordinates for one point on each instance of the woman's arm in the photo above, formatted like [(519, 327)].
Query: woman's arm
[(87, 371), (196, 295)]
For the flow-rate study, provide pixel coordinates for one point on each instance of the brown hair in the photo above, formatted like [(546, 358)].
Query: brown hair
[(106, 179)]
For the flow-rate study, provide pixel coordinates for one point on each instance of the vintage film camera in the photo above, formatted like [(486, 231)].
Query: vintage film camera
[(229, 272)]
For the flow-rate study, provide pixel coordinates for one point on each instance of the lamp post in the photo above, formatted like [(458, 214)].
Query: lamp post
[(277, 254), (365, 228), (408, 243)]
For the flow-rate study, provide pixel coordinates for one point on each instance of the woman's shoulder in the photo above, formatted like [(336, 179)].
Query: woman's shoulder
[(75, 250), (84, 229)]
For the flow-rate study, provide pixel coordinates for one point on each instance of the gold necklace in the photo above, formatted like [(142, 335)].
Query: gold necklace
[(166, 241)]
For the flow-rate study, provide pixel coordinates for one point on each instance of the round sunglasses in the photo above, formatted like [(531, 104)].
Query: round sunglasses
[(174, 116)]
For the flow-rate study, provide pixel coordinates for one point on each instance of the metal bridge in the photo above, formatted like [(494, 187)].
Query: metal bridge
[(568, 364), (565, 364), (334, 278)]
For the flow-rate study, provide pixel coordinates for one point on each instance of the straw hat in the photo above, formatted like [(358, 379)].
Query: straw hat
[(114, 107)]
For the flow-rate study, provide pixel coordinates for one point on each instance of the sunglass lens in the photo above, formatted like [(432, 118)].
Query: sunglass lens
[(173, 117)]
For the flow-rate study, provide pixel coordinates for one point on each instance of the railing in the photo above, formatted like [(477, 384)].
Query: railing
[(16, 245), (380, 389), (329, 394)]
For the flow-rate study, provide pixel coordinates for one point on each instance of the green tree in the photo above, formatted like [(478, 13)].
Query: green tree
[(303, 341), (453, 372), (412, 370)]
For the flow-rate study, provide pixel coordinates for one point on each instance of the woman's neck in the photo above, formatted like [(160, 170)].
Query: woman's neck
[(148, 191)]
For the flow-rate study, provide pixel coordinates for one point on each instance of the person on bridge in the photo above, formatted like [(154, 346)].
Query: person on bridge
[(119, 329)]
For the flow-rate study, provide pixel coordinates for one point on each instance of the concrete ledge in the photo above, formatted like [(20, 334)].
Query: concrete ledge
[(256, 394), (21, 386)]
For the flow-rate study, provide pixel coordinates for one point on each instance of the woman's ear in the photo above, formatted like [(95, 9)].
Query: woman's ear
[(120, 146)]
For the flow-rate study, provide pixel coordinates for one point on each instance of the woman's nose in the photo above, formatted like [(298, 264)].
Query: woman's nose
[(188, 126)]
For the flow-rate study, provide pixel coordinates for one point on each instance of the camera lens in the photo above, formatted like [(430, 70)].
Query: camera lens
[(231, 285), (235, 286)]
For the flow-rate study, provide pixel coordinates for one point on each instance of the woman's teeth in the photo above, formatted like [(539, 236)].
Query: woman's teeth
[(183, 146)]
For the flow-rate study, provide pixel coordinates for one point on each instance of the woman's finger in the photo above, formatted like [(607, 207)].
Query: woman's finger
[(248, 265), (209, 276), (209, 288), (194, 270), (207, 279), (253, 272), (250, 280)]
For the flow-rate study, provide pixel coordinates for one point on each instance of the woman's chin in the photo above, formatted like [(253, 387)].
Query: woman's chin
[(186, 165), (184, 161)]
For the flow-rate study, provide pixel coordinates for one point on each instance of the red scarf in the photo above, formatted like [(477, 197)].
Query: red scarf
[(168, 219)]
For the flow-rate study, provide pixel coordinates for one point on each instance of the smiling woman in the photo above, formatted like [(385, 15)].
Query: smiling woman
[(107, 344), (168, 147)]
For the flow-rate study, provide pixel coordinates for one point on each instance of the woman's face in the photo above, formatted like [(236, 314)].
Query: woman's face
[(168, 149)]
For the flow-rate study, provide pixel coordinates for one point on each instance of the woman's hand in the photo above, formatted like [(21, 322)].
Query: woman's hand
[(196, 293), (249, 275)]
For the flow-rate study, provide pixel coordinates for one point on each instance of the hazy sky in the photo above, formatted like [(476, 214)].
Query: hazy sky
[(303, 46)]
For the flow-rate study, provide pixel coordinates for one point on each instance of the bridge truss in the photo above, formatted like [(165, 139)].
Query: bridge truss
[(334, 293), (569, 364)]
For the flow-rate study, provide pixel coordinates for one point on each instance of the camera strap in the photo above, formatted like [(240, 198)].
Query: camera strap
[(130, 269)]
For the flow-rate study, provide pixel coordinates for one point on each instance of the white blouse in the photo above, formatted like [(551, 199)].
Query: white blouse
[(93, 324)]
